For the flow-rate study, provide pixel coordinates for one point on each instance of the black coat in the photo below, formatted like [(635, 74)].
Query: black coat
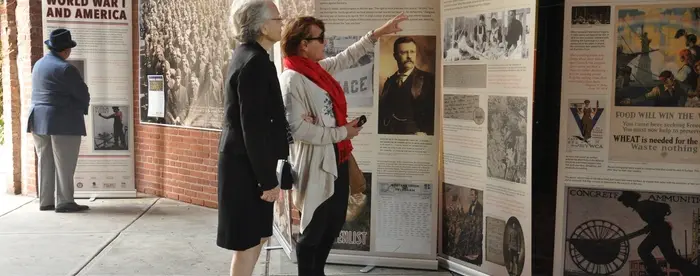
[(253, 139)]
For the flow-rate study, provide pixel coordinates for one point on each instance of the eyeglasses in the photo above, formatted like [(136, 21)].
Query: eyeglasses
[(321, 38)]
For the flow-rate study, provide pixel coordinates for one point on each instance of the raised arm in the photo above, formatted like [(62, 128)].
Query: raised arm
[(298, 105), (352, 54), (349, 56)]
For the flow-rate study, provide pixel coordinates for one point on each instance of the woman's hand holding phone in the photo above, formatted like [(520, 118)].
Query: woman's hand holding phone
[(354, 127)]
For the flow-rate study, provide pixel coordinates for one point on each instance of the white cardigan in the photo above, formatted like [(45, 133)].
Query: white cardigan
[(312, 155)]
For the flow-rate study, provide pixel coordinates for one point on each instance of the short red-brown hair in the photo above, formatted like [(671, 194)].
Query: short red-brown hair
[(296, 31)]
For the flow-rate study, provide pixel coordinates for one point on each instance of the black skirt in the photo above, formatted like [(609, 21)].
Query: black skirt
[(244, 218)]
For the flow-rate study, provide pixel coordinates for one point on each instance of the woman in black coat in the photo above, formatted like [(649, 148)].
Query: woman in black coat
[(254, 137)]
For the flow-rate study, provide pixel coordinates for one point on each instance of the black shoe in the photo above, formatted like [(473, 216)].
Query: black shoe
[(71, 208), (47, 208)]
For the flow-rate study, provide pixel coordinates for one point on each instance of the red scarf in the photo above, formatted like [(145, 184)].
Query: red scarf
[(323, 79)]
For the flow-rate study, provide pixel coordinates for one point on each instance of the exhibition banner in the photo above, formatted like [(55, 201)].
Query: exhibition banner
[(103, 56), (629, 166), (488, 67), (393, 222), (188, 44)]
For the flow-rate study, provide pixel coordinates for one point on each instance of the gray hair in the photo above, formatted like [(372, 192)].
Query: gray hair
[(247, 18)]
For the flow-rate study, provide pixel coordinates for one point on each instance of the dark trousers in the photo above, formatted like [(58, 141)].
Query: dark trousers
[(315, 243)]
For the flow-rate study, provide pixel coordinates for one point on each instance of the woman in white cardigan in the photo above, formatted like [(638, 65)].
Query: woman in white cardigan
[(317, 113)]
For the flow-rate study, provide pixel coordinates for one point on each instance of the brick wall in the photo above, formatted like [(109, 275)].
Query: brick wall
[(30, 48), (11, 92), (172, 162)]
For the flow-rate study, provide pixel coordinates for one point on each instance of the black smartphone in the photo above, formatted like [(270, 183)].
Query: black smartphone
[(361, 121)]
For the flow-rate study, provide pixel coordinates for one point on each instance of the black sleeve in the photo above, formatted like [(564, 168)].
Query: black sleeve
[(430, 105), (253, 92)]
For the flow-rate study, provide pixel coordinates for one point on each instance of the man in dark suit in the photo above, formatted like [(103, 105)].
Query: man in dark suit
[(407, 103), (60, 99)]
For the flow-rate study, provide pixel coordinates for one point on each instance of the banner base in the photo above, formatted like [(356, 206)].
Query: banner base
[(458, 268), (105, 194), (285, 246), (377, 261)]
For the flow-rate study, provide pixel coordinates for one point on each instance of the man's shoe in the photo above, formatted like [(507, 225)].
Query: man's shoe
[(71, 208), (47, 208)]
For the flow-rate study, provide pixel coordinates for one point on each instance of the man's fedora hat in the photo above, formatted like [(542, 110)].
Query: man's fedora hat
[(60, 39)]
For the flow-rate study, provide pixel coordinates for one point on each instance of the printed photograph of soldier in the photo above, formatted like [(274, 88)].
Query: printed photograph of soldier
[(498, 35), (190, 43), (463, 224), (658, 58), (590, 15), (514, 247), (407, 85), (110, 127), (506, 145)]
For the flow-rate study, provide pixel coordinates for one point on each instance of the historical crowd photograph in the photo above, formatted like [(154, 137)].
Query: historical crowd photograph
[(498, 35), (625, 232), (407, 85), (658, 58), (110, 127), (506, 145), (463, 224), (190, 43), (590, 15)]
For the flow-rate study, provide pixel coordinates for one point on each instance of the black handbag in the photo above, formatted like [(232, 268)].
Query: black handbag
[(285, 177)]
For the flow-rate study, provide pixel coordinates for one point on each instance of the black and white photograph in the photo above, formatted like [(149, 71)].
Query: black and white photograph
[(507, 138), (463, 224), (407, 85), (357, 81), (591, 15), (190, 43), (514, 247), (463, 108), (80, 65), (631, 232), (356, 233), (110, 127), (501, 35)]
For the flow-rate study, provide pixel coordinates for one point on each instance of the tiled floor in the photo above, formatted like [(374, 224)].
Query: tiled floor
[(135, 237)]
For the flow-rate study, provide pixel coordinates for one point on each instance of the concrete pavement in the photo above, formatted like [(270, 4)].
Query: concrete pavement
[(136, 237)]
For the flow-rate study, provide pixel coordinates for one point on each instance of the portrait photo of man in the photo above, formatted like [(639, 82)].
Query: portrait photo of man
[(407, 85)]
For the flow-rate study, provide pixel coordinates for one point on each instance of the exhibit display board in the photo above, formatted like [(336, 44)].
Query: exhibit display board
[(185, 47), (103, 56), (393, 222), (488, 82), (629, 166)]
